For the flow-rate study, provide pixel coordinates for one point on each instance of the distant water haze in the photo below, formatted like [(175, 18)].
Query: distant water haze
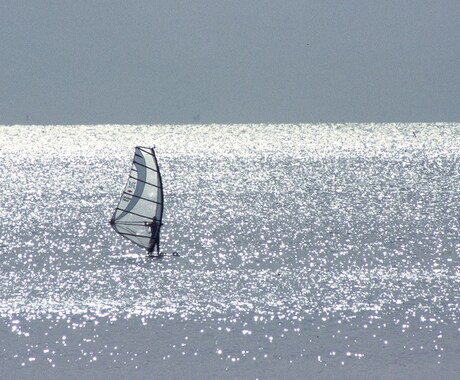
[(326, 249), (202, 61)]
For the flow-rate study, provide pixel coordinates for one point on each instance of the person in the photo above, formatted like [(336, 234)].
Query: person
[(154, 237)]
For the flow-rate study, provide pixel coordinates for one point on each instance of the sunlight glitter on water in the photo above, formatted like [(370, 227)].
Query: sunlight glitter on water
[(355, 224)]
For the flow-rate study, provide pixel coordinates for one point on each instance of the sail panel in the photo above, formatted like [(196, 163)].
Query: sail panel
[(141, 200)]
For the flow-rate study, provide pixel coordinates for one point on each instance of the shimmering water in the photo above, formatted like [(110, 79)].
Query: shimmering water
[(327, 250)]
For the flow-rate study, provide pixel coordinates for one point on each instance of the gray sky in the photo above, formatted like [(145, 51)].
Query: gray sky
[(150, 61)]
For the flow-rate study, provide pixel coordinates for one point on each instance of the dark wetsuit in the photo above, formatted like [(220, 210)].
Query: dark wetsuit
[(155, 237)]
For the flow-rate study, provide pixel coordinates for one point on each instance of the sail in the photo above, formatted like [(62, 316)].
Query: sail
[(140, 210)]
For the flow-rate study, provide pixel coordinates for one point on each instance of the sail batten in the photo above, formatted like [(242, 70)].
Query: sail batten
[(139, 212), (144, 166), (139, 197), (137, 236), (148, 183)]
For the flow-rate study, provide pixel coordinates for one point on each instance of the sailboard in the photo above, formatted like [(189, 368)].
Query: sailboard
[(139, 213)]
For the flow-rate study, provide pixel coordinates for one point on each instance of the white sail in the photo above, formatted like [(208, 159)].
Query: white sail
[(140, 210)]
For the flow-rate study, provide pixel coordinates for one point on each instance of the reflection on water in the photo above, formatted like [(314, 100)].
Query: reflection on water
[(330, 240)]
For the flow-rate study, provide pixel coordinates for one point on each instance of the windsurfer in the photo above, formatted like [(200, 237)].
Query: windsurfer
[(154, 237)]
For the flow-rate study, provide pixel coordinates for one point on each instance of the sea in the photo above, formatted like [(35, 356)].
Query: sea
[(310, 251)]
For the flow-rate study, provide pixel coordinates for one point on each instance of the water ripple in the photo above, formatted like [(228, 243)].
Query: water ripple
[(311, 225)]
